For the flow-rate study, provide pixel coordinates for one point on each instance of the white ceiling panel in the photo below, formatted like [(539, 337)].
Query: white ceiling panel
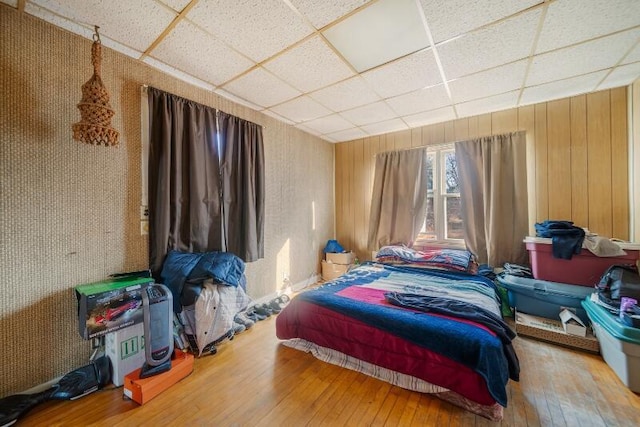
[(256, 28), (321, 13), (412, 72), (120, 21), (176, 5), (498, 44), (621, 76), (574, 21), (348, 134), (345, 95), (191, 49), (486, 105), (382, 32), (230, 96), (488, 83), (579, 59), (633, 56), (301, 109), (450, 18), (561, 88), (278, 117), (270, 55), (419, 101), (430, 117), (367, 114), (177, 73), (328, 124), (392, 125), (309, 66), (262, 88)]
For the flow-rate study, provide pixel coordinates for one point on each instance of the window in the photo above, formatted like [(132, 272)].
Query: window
[(444, 216)]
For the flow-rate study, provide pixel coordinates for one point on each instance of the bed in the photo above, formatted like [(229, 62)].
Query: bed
[(431, 330)]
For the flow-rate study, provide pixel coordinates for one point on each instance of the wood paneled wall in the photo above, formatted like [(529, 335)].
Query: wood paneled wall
[(577, 163)]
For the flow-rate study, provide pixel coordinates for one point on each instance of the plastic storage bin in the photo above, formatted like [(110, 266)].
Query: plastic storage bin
[(543, 298), (619, 344), (582, 269)]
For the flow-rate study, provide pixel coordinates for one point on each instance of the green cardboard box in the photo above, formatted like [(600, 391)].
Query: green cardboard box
[(110, 305)]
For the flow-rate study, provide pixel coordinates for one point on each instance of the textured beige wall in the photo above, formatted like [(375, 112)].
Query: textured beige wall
[(69, 212)]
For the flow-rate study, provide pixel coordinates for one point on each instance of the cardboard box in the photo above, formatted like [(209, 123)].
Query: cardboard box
[(550, 330), (332, 271), (344, 258), (125, 349), (143, 390), (109, 305), (572, 324)]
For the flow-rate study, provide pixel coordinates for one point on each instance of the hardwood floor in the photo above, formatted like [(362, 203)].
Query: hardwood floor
[(254, 381)]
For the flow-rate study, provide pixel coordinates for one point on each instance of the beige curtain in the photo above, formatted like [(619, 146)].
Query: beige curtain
[(399, 199), (493, 187)]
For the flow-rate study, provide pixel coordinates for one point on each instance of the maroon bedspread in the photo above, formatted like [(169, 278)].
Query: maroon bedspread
[(336, 331)]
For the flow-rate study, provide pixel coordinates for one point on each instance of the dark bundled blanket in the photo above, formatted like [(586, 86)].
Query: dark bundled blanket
[(566, 239), (179, 267), (459, 340)]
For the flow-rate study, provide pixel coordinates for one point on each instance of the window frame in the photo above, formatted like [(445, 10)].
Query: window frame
[(439, 195)]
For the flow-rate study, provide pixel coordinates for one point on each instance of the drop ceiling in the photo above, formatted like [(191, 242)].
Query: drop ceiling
[(348, 69)]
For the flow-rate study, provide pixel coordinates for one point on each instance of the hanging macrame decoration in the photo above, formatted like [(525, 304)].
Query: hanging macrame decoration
[(95, 110)]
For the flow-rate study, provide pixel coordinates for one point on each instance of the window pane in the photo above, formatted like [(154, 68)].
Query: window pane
[(454, 218), (430, 173), (429, 228), (450, 173)]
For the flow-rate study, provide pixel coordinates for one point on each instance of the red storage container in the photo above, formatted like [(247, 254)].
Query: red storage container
[(582, 269)]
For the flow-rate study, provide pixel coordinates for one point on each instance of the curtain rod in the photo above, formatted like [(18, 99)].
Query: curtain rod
[(144, 88), (442, 144)]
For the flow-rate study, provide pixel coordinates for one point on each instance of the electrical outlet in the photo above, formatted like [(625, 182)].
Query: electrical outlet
[(285, 277)]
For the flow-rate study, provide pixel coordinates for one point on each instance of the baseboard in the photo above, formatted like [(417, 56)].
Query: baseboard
[(296, 287)]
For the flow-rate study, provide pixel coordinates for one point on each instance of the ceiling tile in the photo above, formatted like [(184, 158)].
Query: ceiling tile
[(262, 88), (307, 129), (430, 117), (277, 117), (487, 105), (633, 56), (421, 100), (621, 76), (345, 95), (301, 109), (192, 50), (328, 124), (392, 125), (498, 44), (561, 88), (449, 18), (487, 83), (347, 135), (581, 59), (177, 73), (309, 66), (405, 75), (574, 21), (257, 28), (119, 21), (321, 13), (379, 33), (176, 5), (367, 114), (237, 99)]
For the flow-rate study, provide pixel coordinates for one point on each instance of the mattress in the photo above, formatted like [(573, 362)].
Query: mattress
[(464, 361)]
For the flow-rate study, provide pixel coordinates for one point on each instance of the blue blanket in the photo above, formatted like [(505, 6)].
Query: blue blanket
[(223, 267), (464, 343)]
